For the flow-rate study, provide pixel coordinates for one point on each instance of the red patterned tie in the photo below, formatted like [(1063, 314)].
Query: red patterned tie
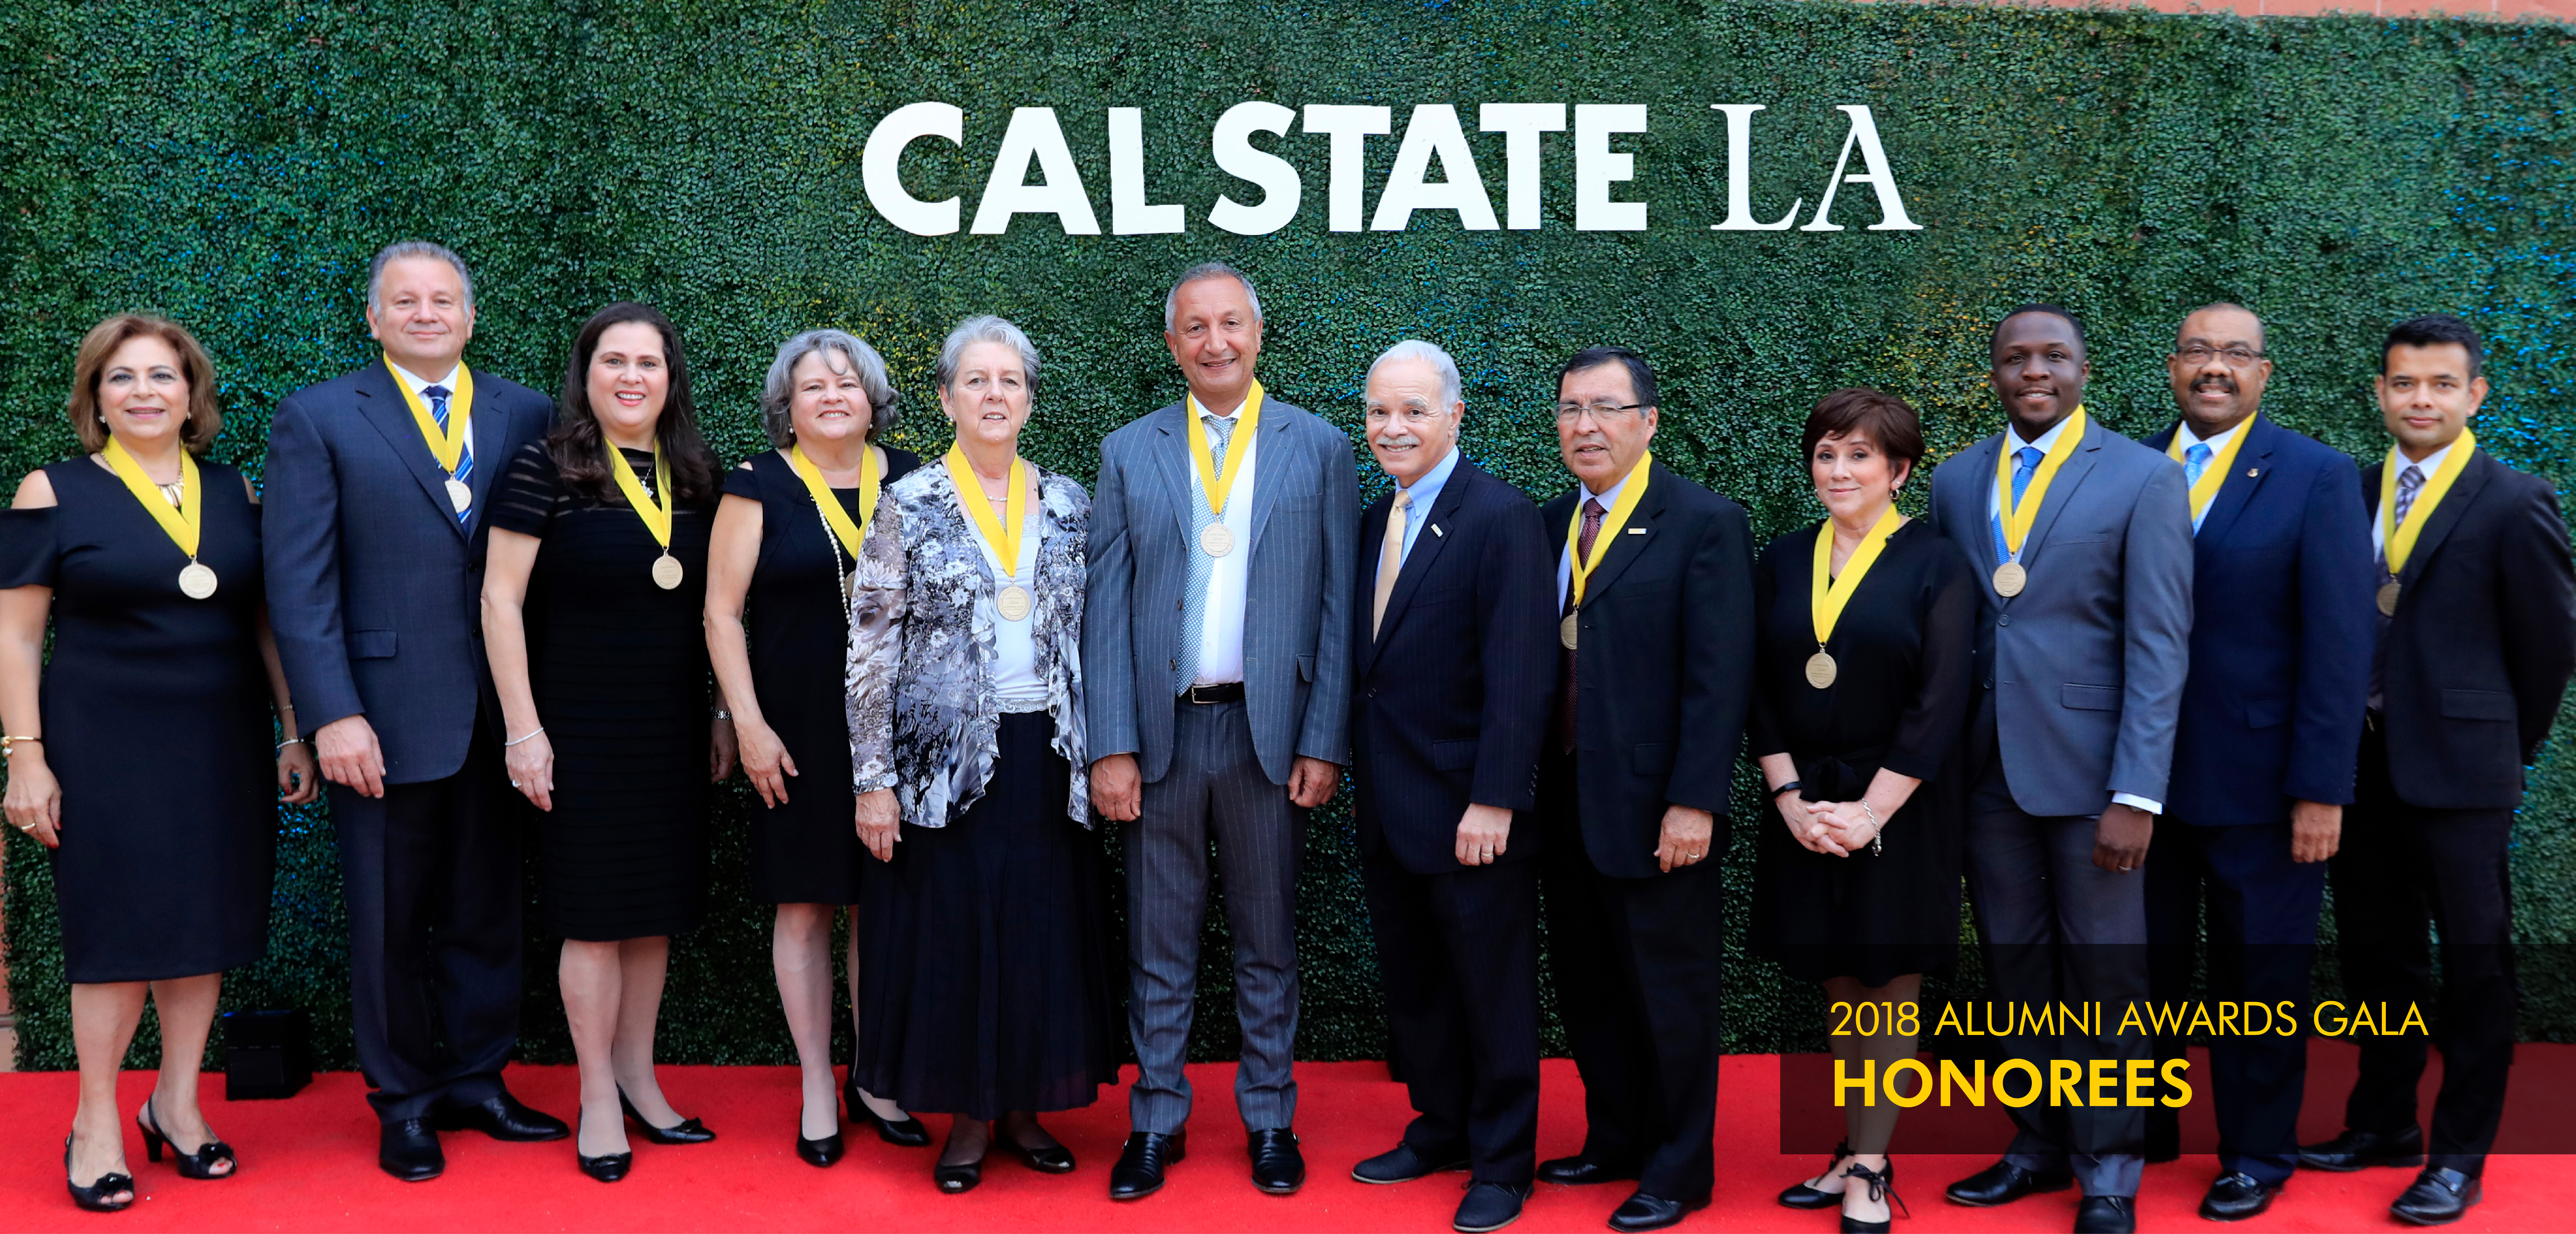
[(1565, 709)]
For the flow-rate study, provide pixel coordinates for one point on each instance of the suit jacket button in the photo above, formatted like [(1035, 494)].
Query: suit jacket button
[(2004, 620)]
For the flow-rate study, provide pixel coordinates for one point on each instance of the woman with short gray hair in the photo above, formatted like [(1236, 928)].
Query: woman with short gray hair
[(779, 570)]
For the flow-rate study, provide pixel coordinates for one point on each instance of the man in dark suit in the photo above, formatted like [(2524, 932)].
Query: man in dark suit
[(1451, 675), (1656, 669), (2263, 754), (2477, 635), (373, 540)]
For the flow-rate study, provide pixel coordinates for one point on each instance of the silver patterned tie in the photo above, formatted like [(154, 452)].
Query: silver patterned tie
[(1220, 431)]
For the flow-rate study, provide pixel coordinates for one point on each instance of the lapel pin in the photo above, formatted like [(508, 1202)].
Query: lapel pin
[(1636, 531), (2252, 472), (1435, 530)]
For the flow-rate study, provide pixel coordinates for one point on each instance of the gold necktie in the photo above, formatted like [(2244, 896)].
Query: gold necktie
[(1390, 559)]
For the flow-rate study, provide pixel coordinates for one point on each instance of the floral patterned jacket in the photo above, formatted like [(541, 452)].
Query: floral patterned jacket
[(924, 719)]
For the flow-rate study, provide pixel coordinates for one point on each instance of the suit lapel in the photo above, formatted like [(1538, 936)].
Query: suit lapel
[(1269, 476), (489, 425), (382, 404), (2252, 463), (1426, 550), (1971, 505), (1629, 544), (1172, 461), (2062, 490), (2454, 507)]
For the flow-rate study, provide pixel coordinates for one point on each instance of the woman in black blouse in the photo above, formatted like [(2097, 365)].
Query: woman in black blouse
[(778, 628), (1861, 690), (593, 599)]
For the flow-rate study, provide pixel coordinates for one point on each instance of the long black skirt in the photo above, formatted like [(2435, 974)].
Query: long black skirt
[(984, 984)]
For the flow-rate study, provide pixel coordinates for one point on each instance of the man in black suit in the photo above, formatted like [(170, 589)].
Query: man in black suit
[(1656, 602), (2263, 753), (2477, 636), (1450, 686), (373, 537)]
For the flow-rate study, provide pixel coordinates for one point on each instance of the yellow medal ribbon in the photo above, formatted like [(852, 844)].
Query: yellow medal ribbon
[(181, 523), (2215, 474), (1580, 569), (1216, 484), (447, 446), (970, 494), (2017, 519), (2400, 541), (852, 534), (1827, 598), (656, 513)]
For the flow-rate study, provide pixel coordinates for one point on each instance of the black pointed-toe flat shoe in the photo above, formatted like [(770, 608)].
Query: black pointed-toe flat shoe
[(957, 1179), (908, 1133), (199, 1164), (1143, 1162), (819, 1152), (1052, 1159), (2360, 1150), (686, 1131), (94, 1197), (1800, 1195), (607, 1168)]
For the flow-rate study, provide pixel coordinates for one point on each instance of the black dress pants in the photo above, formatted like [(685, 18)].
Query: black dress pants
[(1636, 962), (1459, 954), (432, 873), (2401, 868)]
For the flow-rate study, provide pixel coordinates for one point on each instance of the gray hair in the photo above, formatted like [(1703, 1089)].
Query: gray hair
[(778, 392), (400, 250), (1452, 390), (986, 329), (1208, 270)]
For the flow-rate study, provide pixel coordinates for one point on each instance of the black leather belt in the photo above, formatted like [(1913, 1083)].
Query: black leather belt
[(1227, 692)]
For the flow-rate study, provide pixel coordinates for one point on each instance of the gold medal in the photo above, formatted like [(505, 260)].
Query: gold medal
[(197, 581), (654, 509), (458, 495), (1820, 669), (1014, 602), (180, 519), (2010, 578), (1565, 631), (1217, 484), (667, 572), (2388, 598), (1217, 540)]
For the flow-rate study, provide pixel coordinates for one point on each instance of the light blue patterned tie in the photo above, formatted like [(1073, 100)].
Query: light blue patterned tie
[(437, 396), (2025, 461), (1220, 430), (2194, 461)]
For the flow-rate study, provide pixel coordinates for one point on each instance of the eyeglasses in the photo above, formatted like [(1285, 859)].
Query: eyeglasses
[(1601, 413), (2236, 357)]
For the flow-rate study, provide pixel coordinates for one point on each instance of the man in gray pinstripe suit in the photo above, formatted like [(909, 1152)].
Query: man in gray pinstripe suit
[(1216, 652)]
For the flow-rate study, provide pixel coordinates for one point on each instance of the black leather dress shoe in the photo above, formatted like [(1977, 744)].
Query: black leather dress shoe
[(2106, 1214), (2439, 1197), (1648, 1212), (1139, 1172), (1488, 1206), (1403, 1164), (2360, 1150), (500, 1116), (2002, 1183), (2236, 1196), (819, 1152), (1277, 1166), (409, 1150), (1581, 1171)]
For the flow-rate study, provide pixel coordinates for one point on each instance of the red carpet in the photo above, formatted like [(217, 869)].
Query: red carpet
[(310, 1165)]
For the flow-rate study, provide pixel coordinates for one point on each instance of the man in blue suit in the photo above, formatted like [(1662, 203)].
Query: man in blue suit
[(2263, 757), (1216, 648), (373, 540)]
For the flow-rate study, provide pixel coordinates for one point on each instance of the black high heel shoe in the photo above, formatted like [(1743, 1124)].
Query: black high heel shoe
[(686, 1131), (820, 1151), (199, 1164), (1800, 1195), (1882, 1187), (94, 1196), (906, 1134), (607, 1167)]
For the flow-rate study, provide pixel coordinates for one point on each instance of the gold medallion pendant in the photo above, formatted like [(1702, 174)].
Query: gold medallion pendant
[(666, 572), (197, 581), (2010, 578), (1820, 669), (2388, 598), (458, 495), (1217, 540), (1014, 602)]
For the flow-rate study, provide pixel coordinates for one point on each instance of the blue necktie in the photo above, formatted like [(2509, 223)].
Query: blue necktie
[(2195, 461), (2025, 461), (437, 396), (1220, 430)]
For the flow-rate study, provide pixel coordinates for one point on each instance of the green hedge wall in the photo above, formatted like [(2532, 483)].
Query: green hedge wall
[(234, 163)]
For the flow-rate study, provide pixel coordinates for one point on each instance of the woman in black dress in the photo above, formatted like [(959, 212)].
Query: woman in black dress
[(778, 629), (1861, 690), (593, 600), (148, 560)]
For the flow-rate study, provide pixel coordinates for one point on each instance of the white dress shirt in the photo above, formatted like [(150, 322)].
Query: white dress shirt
[(1016, 684), (1565, 556), (2430, 465), (1221, 629), (2185, 439), (461, 416), (1423, 494)]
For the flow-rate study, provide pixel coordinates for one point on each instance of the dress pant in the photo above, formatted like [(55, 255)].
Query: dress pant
[(2401, 868), (2056, 928), (2262, 931), (1214, 791), (433, 875), (1459, 955), (1636, 962)]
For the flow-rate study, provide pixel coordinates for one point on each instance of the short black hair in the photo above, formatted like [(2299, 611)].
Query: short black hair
[(1640, 374), (2052, 310), (2433, 330)]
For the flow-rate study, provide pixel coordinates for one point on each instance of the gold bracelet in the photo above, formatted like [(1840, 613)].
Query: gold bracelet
[(9, 745)]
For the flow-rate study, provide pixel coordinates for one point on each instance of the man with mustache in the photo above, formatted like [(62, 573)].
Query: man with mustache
[(2084, 539), (1216, 647), (2476, 619), (1449, 689), (2263, 760)]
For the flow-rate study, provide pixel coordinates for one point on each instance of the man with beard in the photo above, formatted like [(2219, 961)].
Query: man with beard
[(2263, 760)]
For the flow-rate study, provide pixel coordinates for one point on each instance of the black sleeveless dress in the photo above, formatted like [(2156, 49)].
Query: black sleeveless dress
[(157, 724), (807, 850), (619, 669)]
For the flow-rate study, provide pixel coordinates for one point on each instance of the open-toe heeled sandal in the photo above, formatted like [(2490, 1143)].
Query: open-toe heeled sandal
[(199, 1164)]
